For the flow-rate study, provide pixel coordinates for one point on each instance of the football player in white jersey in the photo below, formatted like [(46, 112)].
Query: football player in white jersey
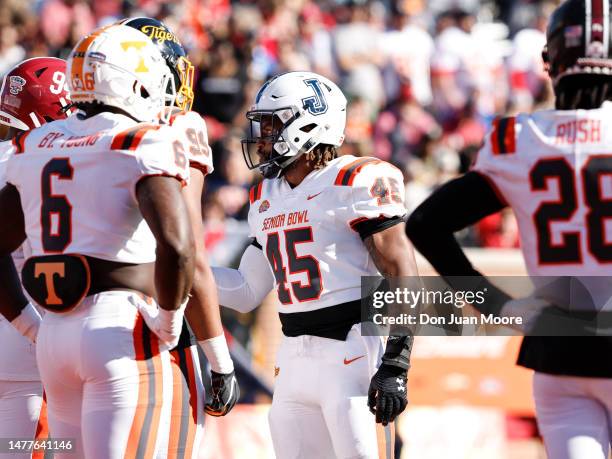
[(202, 310), (319, 223), (98, 197), (33, 92), (554, 169)]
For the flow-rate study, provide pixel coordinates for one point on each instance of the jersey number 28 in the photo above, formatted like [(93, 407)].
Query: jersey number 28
[(563, 209)]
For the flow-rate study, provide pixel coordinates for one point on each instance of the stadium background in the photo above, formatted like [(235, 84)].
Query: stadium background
[(424, 80)]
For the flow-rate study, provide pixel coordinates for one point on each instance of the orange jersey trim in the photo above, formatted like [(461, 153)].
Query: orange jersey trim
[(131, 138), (255, 192), (510, 136), (346, 175), (19, 141), (201, 167), (175, 115), (503, 136)]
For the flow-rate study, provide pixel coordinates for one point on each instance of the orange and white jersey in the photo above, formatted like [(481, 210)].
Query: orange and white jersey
[(77, 182), (192, 130), (554, 168), (312, 234)]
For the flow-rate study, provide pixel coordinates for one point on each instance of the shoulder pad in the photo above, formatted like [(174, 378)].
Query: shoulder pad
[(178, 116)]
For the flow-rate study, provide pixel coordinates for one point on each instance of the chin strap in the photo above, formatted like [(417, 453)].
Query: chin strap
[(275, 170)]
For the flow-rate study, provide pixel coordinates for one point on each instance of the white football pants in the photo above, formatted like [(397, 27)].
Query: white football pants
[(111, 390), (574, 415), (22, 415), (319, 409)]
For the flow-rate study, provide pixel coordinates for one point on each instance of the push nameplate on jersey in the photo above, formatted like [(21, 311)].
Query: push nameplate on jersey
[(58, 283)]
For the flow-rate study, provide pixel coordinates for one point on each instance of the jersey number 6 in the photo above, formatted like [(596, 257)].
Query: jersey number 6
[(55, 237)]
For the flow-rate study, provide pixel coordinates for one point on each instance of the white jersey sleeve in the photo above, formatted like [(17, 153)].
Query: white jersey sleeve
[(244, 289), (377, 194), (156, 155), (193, 134)]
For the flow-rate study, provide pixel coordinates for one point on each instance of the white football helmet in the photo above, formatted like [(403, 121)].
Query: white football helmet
[(119, 66), (293, 113)]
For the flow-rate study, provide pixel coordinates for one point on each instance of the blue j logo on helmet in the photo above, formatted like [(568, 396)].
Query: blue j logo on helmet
[(316, 105)]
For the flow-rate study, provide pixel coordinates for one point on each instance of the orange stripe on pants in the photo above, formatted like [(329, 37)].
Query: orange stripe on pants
[(193, 402), (42, 428), (143, 433), (159, 394), (183, 425), (174, 445), (143, 390)]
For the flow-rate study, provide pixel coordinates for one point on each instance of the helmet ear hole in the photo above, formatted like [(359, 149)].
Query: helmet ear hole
[(138, 88), (308, 127)]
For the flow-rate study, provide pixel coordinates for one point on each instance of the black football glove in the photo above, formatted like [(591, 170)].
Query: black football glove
[(387, 396), (224, 394)]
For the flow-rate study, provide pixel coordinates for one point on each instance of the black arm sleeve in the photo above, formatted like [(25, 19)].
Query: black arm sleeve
[(454, 206)]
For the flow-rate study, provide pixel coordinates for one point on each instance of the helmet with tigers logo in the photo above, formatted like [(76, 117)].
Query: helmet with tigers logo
[(175, 55)]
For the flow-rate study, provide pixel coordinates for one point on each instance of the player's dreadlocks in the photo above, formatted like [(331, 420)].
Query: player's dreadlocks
[(582, 91), (321, 155)]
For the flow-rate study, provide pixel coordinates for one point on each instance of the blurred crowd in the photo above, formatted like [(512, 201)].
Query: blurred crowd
[(424, 79)]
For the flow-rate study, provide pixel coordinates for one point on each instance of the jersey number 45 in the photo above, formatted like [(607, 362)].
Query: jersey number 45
[(296, 264)]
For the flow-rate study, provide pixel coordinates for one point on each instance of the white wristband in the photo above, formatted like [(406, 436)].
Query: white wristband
[(28, 322), (171, 321), (218, 355)]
